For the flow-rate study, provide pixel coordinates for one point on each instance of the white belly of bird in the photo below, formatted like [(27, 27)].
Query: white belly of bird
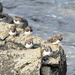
[(28, 45), (45, 62), (28, 33), (12, 33), (16, 22), (56, 42), (47, 53)]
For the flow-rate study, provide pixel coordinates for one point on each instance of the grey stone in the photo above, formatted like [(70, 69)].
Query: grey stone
[(1, 7), (7, 19)]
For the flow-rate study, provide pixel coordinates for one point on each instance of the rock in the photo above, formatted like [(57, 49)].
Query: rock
[(4, 34), (1, 7), (35, 19), (29, 61), (7, 18), (25, 24), (2, 43), (3, 31), (57, 65), (46, 71), (30, 56)]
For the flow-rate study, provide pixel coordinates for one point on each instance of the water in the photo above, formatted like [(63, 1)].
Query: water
[(54, 17)]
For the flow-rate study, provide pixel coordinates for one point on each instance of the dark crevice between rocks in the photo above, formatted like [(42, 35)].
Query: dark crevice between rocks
[(4, 38), (55, 69), (36, 46)]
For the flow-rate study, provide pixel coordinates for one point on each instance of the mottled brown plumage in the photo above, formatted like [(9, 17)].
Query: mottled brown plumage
[(28, 28), (54, 39), (29, 41), (22, 23), (13, 28), (16, 18), (48, 48), (47, 51), (12, 31)]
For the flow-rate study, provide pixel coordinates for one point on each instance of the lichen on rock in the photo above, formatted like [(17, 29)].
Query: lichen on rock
[(28, 61)]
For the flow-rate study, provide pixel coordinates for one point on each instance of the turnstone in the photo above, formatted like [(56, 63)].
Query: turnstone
[(47, 51), (20, 21), (56, 40), (28, 31), (1, 7), (12, 31), (29, 43), (45, 60)]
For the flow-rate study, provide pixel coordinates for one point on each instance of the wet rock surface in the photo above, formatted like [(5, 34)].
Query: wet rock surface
[(7, 18), (1, 7), (28, 61)]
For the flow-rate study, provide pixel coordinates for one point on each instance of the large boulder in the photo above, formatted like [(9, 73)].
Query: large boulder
[(28, 61), (56, 65)]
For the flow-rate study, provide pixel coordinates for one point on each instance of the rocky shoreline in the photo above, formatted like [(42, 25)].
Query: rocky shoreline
[(28, 61)]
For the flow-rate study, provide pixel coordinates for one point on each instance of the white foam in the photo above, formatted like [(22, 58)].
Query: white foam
[(54, 16)]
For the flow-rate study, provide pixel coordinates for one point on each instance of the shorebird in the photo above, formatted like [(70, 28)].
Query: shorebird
[(29, 43), (20, 21), (28, 31), (45, 60), (56, 40), (47, 51), (12, 31)]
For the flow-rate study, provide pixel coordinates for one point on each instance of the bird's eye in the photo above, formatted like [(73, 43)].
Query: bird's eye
[(31, 30)]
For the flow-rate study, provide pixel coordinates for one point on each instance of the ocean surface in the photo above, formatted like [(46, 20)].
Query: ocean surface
[(48, 18)]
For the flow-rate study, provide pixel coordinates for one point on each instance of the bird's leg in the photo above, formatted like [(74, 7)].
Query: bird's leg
[(57, 45), (29, 35), (18, 26), (26, 36), (12, 37), (44, 65)]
